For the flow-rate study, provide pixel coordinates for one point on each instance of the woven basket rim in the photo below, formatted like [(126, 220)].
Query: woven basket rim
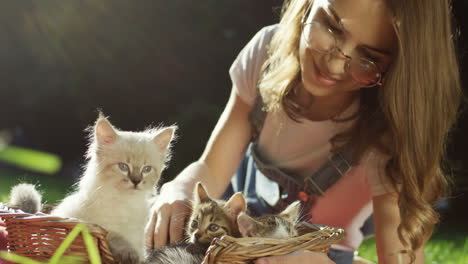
[(335, 232), (228, 249)]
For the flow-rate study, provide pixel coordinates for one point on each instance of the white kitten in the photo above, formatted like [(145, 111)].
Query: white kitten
[(117, 186)]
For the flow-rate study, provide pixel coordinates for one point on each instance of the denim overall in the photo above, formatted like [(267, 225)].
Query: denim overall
[(269, 189)]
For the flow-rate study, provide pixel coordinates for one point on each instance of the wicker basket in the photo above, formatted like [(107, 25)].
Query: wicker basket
[(38, 236), (245, 250)]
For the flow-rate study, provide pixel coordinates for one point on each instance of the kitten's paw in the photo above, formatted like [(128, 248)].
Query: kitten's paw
[(122, 250)]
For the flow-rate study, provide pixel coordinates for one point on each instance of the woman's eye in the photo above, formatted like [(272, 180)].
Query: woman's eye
[(123, 167), (194, 225), (332, 27), (374, 59), (213, 227)]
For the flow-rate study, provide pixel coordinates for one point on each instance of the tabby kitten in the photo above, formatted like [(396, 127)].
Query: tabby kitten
[(214, 218), (210, 218), (118, 185), (282, 225)]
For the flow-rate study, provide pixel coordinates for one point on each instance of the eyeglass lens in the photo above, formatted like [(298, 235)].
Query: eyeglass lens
[(319, 38)]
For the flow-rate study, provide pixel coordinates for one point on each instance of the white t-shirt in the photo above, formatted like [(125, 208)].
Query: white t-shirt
[(303, 147)]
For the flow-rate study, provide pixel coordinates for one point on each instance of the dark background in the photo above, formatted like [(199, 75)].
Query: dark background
[(142, 62)]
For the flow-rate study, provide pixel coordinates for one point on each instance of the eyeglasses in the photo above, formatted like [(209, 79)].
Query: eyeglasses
[(321, 39)]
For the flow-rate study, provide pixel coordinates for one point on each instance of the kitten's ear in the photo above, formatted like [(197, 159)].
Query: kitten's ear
[(164, 136), (200, 194), (293, 211), (236, 204), (247, 225), (104, 132)]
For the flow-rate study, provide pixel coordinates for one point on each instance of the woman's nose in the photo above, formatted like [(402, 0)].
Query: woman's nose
[(337, 60), (336, 63)]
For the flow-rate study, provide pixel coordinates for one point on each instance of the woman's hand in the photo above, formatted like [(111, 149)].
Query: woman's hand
[(301, 256), (167, 217), (219, 161)]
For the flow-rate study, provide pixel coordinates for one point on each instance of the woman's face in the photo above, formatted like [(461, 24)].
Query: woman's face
[(362, 29)]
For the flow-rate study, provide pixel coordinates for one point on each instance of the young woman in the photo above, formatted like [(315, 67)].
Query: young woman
[(359, 97)]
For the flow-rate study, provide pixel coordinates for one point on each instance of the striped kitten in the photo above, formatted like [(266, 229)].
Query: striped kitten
[(282, 225), (213, 218), (210, 219)]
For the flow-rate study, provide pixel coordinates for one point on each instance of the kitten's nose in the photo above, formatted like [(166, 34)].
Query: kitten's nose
[(135, 181), (197, 236)]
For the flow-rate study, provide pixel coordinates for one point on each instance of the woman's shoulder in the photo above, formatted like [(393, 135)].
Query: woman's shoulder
[(263, 37), (270, 29), (246, 68)]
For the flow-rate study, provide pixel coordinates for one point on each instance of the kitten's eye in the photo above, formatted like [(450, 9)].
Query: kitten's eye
[(194, 224), (123, 167), (147, 169), (213, 227)]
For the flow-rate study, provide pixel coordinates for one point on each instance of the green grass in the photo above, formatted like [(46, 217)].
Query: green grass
[(442, 248), (30, 159)]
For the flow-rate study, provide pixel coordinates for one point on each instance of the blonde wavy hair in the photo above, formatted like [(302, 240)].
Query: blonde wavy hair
[(408, 118)]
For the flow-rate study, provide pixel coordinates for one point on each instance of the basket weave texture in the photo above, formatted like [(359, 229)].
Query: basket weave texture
[(245, 250), (38, 236)]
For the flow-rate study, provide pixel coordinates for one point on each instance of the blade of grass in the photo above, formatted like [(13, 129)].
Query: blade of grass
[(93, 251), (71, 260), (66, 243), (31, 159), (17, 258)]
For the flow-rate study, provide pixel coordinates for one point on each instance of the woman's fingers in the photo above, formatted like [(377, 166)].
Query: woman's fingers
[(179, 216), (167, 224), (149, 231), (162, 226)]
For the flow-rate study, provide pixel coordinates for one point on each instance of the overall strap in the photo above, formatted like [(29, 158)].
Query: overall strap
[(337, 165), (318, 182)]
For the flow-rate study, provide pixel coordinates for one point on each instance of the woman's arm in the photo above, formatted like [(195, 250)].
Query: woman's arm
[(216, 166), (227, 144), (223, 152), (386, 221)]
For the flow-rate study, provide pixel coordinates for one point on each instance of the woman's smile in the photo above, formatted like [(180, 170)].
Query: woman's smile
[(323, 79)]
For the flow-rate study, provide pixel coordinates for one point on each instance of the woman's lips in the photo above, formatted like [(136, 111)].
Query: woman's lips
[(322, 79)]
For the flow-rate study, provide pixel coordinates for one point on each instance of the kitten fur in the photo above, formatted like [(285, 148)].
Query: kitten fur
[(282, 225), (116, 189), (214, 218), (26, 198), (209, 219)]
